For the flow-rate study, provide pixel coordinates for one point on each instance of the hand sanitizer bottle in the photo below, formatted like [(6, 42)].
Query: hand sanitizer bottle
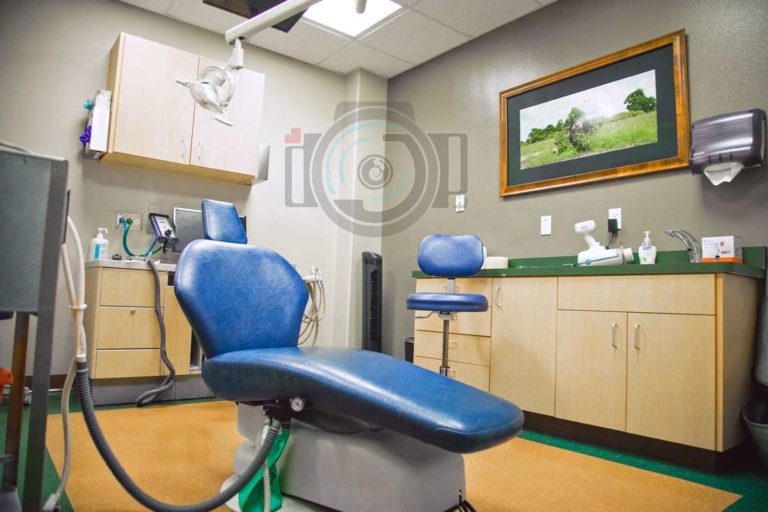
[(646, 251), (99, 246)]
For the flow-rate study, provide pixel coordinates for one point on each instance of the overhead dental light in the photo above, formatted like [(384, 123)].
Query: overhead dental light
[(215, 85)]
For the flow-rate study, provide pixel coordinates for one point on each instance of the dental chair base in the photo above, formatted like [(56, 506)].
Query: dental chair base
[(374, 471)]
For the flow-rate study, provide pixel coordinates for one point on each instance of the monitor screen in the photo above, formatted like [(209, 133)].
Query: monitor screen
[(189, 226)]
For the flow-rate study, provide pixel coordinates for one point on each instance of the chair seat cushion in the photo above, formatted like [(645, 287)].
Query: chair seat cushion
[(447, 302), (372, 387)]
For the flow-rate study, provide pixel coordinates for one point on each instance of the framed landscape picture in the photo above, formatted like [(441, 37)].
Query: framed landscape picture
[(620, 115)]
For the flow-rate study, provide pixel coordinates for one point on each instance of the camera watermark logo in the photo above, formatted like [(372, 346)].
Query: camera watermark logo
[(374, 171)]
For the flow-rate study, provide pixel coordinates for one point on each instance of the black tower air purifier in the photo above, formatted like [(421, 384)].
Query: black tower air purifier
[(372, 277)]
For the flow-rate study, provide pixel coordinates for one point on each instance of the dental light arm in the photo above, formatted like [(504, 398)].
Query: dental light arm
[(215, 85)]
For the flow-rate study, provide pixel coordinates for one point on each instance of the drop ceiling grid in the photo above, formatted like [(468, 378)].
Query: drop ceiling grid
[(419, 31)]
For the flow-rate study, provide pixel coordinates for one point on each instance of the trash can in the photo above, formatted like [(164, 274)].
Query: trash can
[(408, 342), (755, 415)]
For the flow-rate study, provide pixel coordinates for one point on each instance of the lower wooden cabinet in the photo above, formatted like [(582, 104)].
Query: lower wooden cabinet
[(670, 378), (523, 340), (666, 357), (592, 368), (121, 326)]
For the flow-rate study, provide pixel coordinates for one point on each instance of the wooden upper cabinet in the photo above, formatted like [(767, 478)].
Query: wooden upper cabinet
[(152, 115), (231, 148), (156, 123)]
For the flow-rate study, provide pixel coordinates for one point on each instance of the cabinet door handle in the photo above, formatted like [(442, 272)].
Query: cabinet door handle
[(637, 336), (132, 311), (199, 152), (453, 344), (183, 156), (498, 296), (614, 327)]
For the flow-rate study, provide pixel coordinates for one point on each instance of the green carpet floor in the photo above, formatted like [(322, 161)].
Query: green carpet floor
[(749, 479)]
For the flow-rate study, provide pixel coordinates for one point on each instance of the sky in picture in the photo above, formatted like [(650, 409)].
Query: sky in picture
[(602, 101)]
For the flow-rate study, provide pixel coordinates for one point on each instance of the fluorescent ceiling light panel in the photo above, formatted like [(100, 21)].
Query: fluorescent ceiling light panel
[(341, 15)]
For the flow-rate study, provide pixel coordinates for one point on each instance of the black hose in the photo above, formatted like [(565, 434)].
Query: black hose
[(86, 404), (150, 396)]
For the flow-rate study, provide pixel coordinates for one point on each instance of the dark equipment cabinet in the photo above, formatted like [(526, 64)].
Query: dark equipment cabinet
[(372, 296)]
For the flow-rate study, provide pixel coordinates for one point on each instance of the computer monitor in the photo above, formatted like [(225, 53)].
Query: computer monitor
[(189, 226)]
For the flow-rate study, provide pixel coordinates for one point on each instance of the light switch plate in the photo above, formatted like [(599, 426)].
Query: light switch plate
[(460, 201), (546, 225), (615, 213)]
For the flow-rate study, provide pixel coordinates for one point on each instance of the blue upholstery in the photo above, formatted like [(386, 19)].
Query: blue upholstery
[(372, 387), (221, 222), (451, 256), (245, 305), (447, 302), (5, 315), (239, 297)]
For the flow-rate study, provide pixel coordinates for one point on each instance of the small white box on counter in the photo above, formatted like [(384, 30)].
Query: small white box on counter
[(721, 249)]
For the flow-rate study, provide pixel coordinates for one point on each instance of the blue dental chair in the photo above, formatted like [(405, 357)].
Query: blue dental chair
[(449, 257), (245, 304)]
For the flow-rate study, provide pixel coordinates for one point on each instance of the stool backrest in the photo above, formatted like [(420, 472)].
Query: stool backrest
[(451, 256)]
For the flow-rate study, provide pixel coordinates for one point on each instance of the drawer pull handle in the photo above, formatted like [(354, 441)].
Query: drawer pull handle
[(453, 344), (637, 336), (498, 296), (614, 327), (132, 311)]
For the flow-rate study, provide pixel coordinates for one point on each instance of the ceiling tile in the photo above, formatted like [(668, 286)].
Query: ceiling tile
[(306, 42), (475, 18), (413, 37), (357, 56), (151, 5), (195, 12)]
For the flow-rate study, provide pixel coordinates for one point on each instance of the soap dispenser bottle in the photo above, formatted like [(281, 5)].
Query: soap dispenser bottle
[(647, 251), (99, 246)]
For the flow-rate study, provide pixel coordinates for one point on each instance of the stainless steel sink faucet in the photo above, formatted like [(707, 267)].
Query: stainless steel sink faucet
[(693, 246)]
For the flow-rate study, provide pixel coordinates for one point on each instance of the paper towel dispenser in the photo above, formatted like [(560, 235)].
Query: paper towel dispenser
[(724, 145)]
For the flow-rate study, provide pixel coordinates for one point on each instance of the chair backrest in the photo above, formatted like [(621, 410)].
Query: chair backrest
[(239, 297), (221, 222), (451, 256)]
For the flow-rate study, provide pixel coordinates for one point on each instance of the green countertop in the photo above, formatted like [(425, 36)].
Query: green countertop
[(667, 262)]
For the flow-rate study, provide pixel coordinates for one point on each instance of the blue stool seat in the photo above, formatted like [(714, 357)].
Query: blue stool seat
[(447, 302), (372, 387)]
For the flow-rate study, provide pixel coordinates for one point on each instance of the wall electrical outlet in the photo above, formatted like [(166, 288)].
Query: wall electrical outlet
[(546, 225), (129, 215), (460, 201), (615, 213)]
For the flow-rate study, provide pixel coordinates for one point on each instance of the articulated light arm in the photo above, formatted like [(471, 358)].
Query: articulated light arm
[(273, 16), (215, 85)]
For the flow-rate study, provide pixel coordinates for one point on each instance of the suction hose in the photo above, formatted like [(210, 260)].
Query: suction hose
[(76, 299), (86, 403)]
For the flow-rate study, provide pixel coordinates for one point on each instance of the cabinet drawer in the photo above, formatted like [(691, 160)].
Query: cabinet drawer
[(123, 327), (121, 287), (461, 348), (470, 374), (474, 323), (112, 364), (679, 293)]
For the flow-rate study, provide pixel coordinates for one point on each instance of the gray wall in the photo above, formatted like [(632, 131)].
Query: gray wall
[(727, 70), (54, 54)]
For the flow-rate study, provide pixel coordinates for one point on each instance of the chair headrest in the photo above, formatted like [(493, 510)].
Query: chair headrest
[(451, 256), (222, 223)]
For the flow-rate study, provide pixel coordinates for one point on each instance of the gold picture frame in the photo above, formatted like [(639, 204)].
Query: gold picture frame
[(563, 160)]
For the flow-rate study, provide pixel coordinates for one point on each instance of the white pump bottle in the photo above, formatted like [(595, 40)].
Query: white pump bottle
[(647, 251), (99, 246)]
